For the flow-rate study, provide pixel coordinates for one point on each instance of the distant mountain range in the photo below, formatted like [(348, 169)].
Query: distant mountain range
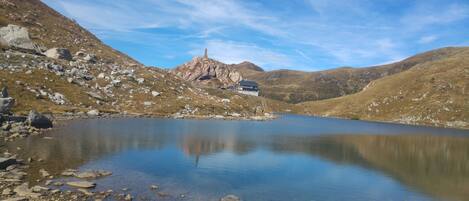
[(297, 86)]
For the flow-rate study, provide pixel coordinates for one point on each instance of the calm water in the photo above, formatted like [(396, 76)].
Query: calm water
[(291, 158)]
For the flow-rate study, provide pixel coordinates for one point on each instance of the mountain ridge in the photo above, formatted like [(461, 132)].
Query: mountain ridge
[(430, 93), (298, 86)]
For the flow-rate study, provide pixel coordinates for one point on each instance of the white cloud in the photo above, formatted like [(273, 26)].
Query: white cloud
[(342, 32), (104, 16), (427, 39), (234, 52), (426, 14)]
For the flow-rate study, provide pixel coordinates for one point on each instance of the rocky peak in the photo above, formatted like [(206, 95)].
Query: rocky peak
[(206, 71)]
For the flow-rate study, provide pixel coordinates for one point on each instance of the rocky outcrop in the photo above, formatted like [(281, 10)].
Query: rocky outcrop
[(59, 53), (38, 120), (203, 70), (18, 37)]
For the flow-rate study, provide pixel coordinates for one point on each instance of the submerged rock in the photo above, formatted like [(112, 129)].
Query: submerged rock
[(230, 198), (23, 191), (38, 120), (82, 184), (92, 174)]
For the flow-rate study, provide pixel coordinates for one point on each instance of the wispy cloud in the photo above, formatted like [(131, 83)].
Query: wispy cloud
[(296, 34), (426, 14), (427, 39), (233, 52)]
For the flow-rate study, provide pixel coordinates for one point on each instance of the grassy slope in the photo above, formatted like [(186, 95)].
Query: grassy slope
[(432, 93), (297, 86), (50, 29)]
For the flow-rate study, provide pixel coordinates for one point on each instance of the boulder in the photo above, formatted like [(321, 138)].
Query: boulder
[(230, 198), (93, 113), (6, 104), (38, 120), (4, 93), (57, 98), (90, 58), (155, 93), (59, 53), (17, 36)]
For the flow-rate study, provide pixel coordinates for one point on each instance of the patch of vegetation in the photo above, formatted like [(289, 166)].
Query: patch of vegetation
[(3, 21), (431, 93)]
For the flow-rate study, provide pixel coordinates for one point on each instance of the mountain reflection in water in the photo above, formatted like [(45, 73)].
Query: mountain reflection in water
[(436, 165)]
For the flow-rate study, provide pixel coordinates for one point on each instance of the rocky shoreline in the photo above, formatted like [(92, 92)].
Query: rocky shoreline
[(78, 186), (14, 175)]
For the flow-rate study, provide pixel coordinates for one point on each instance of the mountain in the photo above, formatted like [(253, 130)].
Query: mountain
[(298, 86), (247, 66), (51, 64), (432, 92)]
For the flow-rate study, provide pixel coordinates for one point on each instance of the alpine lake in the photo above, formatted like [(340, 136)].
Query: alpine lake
[(291, 158)]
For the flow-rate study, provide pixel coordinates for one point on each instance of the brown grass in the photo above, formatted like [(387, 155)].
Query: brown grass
[(297, 86), (433, 93)]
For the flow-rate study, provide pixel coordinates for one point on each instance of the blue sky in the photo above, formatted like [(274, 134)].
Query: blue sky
[(275, 34)]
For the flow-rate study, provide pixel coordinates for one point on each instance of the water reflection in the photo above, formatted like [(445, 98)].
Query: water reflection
[(437, 165)]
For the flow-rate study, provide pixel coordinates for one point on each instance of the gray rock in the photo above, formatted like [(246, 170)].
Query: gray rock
[(23, 191), (38, 120), (230, 198), (17, 199), (7, 191), (82, 184), (92, 174), (57, 98), (38, 189), (90, 58), (6, 104), (155, 93), (69, 172), (44, 173), (93, 113), (96, 96), (17, 36), (5, 162), (59, 53), (4, 93)]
